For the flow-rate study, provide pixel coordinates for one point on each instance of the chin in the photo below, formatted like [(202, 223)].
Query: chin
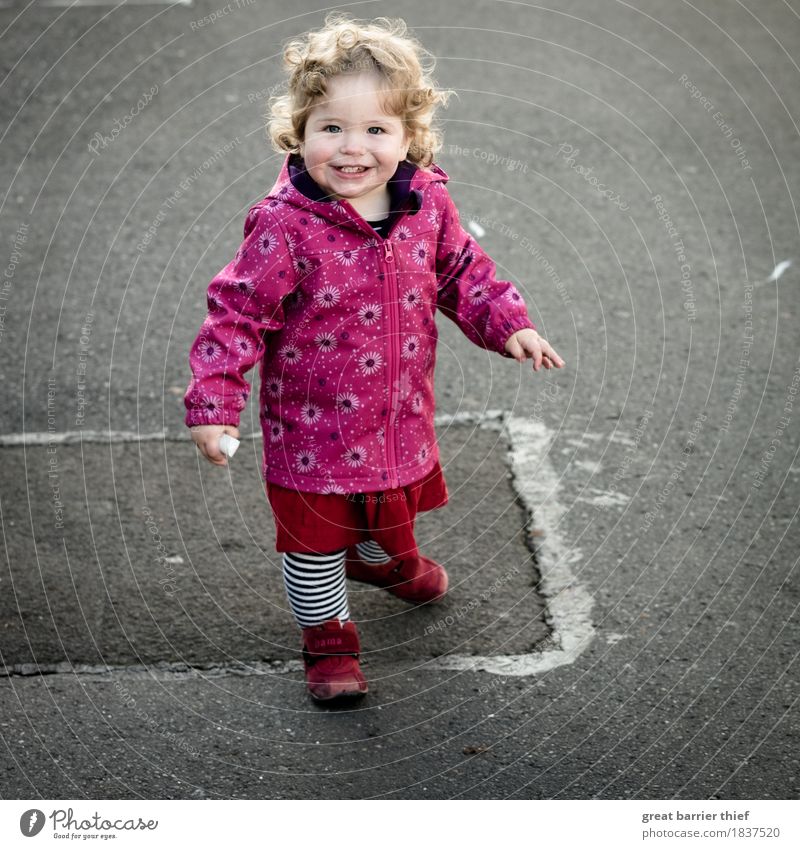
[(355, 191)]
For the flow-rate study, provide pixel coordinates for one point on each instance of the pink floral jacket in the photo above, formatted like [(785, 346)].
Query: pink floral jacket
[(343, 324)]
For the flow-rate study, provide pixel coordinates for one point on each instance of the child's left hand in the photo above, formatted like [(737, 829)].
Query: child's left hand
[(528, 343)]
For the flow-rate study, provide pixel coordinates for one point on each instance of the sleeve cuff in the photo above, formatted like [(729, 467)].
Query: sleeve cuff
[(509, 328), (201, 416)]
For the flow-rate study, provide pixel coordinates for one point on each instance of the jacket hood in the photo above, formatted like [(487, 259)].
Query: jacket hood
[(295, 186)]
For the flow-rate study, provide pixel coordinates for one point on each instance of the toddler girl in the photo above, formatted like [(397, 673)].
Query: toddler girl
[(334, 290)]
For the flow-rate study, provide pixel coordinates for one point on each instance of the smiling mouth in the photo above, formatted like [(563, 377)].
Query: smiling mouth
[(351, 169)]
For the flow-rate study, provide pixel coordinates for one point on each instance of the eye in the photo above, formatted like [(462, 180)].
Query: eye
[(379, 130), (332, 127)]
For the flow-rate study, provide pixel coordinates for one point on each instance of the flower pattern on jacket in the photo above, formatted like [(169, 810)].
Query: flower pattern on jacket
[(343, 326)]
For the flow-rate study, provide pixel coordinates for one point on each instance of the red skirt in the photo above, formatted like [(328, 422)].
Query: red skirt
[(314, 523)]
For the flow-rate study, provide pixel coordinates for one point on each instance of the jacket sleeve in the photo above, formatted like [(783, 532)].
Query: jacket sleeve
[(244, 302), (487, 310)]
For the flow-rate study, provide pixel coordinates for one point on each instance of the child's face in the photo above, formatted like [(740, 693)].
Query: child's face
[(350, 128)]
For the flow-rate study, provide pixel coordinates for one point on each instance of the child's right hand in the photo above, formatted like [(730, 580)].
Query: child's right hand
[(206, 438)]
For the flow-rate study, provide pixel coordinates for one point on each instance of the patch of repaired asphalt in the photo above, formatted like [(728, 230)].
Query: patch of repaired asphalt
[(161, 557)]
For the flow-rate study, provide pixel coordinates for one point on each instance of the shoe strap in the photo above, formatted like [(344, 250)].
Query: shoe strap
[(406, 569), (332, 641)]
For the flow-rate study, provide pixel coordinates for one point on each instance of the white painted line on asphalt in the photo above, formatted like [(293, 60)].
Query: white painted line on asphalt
[(604, 498), (161, 671), (110, 3), (11, 440), (591, 466), (492, 419), (568, 604)]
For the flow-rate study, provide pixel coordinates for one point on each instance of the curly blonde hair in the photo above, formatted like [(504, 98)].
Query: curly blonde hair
[(345, 45)]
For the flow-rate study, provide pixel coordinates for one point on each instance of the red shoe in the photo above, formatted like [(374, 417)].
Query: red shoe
[(330, 655), (417, 579)]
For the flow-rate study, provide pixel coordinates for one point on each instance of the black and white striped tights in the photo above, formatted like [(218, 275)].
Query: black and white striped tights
[(315, 583)]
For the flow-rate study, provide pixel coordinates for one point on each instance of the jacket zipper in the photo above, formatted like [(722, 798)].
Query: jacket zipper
[(394, 378)]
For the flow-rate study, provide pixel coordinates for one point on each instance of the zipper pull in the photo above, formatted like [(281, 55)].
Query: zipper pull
[(389, 251)]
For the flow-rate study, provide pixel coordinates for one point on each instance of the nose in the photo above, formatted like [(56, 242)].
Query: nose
[(351, 143)]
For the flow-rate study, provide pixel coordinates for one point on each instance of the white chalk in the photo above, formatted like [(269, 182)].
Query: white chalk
[(228, 445), (476, 228), (778, 270)]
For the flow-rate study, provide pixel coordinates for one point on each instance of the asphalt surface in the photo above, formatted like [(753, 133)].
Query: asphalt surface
[(632, 168)]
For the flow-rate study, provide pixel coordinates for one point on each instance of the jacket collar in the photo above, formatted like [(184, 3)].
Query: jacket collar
[(406, 187)]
